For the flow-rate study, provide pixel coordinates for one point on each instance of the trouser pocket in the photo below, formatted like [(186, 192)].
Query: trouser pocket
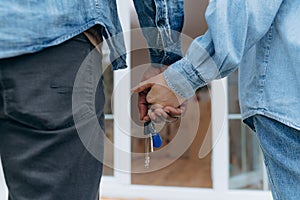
[(38, 87)]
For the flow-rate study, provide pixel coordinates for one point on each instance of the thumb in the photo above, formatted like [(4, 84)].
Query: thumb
[(142, 86)]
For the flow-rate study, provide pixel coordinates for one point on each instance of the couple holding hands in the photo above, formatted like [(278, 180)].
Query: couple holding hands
[(45, 42)]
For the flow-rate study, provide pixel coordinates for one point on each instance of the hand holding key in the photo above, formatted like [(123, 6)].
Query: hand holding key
[(165, 105)]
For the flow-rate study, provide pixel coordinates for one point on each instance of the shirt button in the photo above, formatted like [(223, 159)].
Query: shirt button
[(160, 22)]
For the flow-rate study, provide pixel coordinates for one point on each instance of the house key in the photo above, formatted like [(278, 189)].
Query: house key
[(153, 139)]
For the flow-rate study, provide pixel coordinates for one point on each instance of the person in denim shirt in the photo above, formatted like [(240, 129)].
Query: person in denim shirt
[(262, 39), (42, 46)]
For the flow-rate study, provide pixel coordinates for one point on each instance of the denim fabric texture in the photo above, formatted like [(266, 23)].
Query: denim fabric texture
[(30, 26), (259, 37), (280, 145), (42, 155)]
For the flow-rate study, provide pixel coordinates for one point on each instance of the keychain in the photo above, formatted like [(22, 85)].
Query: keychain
[(153, 140)]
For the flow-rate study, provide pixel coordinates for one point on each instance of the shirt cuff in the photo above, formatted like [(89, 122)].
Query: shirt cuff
[(183, 78)]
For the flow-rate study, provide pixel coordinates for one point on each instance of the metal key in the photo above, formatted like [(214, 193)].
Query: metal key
[(153, 139), (148, 142), (147, 154)]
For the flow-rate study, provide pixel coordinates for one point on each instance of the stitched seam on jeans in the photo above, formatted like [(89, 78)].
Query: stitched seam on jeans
[(272, 182), (4, 95), (267, 163)]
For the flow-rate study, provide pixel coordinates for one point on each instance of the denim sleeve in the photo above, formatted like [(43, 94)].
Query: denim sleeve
[(161, 22), (233, 28)]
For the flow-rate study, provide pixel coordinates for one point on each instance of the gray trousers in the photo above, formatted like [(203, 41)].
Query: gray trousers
[(42, 155)]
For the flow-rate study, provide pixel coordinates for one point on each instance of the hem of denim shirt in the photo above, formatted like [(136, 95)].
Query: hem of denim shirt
[(246, 118), (119, 63), (183, 78), (160, 58)]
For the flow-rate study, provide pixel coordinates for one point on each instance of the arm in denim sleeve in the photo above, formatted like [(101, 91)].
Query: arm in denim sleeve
[(233, 28), (161, 22)]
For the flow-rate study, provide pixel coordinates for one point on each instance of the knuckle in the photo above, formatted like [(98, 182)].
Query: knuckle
[(149, 98)]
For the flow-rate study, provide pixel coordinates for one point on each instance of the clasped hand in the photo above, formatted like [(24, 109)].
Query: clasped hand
[(156, 101)]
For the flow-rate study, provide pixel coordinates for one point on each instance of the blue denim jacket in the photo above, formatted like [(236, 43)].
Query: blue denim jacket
[(31, 25), (262, 37)]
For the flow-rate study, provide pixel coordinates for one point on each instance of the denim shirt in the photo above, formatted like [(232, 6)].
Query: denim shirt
[(32, 25), (262, 37)]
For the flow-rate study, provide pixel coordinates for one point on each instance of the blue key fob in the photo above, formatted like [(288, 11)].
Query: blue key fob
[(157, 140)]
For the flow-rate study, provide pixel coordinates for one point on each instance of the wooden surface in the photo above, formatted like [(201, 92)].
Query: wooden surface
[(182, 173), (189, 170)]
